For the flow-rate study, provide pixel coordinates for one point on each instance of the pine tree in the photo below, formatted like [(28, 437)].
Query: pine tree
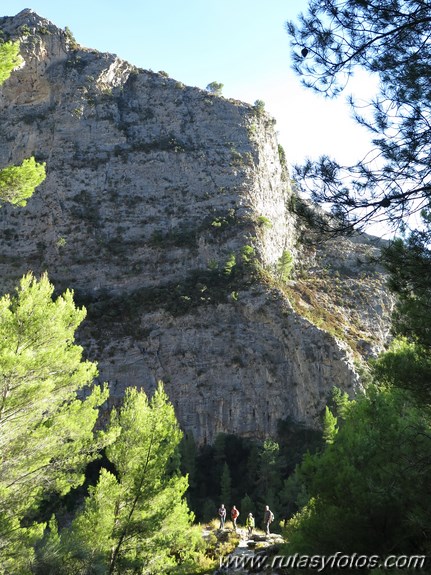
[(269, 474), (409, 265), (225, 486), (285, 266), (215, 88), (9, 59), (136, 520), (368, 489), (388, 39), (17, 183), (188, 459), (342, 403), (247, 506), (329, 426), (46, 431)]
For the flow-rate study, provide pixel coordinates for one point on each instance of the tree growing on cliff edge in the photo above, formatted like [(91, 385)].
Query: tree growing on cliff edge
[(46, 431), (390, 39), (215, 88), (17, 183)]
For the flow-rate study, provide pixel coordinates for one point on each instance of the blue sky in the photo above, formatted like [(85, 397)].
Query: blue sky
[(240, 43)]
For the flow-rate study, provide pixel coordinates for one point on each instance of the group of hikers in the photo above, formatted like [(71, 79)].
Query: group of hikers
[(268, 518)]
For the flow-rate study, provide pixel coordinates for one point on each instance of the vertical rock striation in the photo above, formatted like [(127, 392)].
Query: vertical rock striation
[(168, 211)]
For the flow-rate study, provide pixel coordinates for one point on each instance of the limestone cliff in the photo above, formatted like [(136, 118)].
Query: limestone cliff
[(168, 210)]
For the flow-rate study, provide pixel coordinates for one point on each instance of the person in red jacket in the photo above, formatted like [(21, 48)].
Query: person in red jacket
[(234, 515)]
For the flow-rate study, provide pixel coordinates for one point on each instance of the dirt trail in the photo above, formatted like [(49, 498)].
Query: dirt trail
[(244, 556)]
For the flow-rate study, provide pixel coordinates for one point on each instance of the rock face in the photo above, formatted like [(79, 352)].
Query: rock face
[(168, 211)]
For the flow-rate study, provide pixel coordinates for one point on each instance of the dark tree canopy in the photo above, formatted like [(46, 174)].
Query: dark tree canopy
[(409, 266), (390, 39)]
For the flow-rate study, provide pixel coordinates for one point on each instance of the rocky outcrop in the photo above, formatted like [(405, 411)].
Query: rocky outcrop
[(168, 211)]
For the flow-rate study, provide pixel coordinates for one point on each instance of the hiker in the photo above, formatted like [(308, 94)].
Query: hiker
[(249, 523), (268, 518), (222, 515), (234, 515)]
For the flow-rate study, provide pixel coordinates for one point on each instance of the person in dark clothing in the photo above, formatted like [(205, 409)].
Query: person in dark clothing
[(268, 518)]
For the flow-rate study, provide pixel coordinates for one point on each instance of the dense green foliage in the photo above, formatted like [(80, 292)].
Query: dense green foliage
[(215, 88), (136, 516), (46, 431), (17, 183), (134, 520), (285, 266), (407, 365), (246, 473), (369, 486), (409, 265), (9, 59)]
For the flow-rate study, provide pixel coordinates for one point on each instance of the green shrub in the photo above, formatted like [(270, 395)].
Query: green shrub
[(215, 88), (71, 38), (259, 106), (264, 222), (247, 253), (285, 265), (230, 264), (25, 30)]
